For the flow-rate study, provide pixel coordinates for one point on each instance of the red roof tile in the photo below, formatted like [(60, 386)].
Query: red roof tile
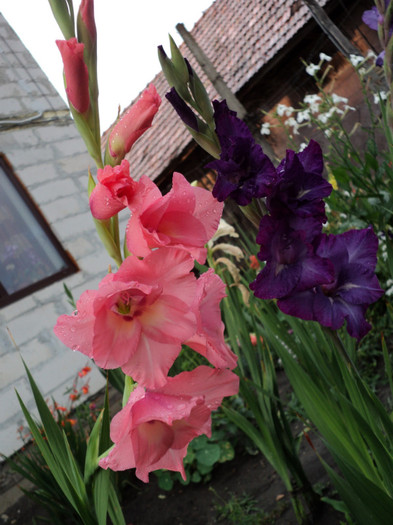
[(239, 37)]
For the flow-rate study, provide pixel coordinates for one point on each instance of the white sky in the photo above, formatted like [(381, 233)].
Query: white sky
[(129, 32)]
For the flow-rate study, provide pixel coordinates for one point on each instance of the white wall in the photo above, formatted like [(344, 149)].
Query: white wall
[(52, 162)]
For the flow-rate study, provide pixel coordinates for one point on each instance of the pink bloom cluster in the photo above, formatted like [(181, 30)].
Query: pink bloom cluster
[(186, 217), (140, 317)]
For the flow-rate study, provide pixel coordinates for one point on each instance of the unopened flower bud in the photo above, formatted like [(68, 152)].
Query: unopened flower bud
[(182, 109), (76, 73), (132, 125)]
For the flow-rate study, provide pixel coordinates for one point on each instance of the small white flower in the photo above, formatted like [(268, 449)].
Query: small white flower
[(265, 128), (324, 117), (282, 110), (302, 146), (294, 125), (382, 95), (303, 116), (335, 109), (311, 69), (349, 108), (337, 99), (362, 71), (356, 60), (313, 102), (328, 132), (323, 56)]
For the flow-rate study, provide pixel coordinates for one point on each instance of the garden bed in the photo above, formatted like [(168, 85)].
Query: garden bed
[(247, 483)]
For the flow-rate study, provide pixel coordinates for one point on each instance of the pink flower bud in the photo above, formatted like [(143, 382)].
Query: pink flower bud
[(134, 123), (86, 17), (76, 73)]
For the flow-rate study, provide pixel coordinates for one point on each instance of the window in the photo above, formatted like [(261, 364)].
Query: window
[(30, 255)]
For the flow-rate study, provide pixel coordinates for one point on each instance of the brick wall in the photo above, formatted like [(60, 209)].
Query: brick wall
[(50, 159)]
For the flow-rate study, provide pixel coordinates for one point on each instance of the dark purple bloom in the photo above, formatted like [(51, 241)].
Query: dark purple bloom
[(311, 158), (182, 109), (301, 188), (291, 263), (244, 172), (354, 288)]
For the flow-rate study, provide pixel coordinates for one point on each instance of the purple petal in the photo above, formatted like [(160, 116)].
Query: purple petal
[(311, 158), (380, 59), (357, 325), (242, 162), (370, 18), (274, 282), (362, 246), (299, 304), (358, 285)]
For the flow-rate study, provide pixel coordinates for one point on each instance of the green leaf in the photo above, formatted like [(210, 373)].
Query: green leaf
[(165, 480), (196, 477), (92, 450), (114, 509), (368, 503), (178, 62), (101, 485), (209, 455)]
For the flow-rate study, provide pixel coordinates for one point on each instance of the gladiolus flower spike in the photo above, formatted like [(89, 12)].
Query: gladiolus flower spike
[(325, 278)]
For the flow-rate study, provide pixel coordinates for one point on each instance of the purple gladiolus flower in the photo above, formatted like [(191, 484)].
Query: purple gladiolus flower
[(354, 288), (291, 264), (244, 172), (301, 187)]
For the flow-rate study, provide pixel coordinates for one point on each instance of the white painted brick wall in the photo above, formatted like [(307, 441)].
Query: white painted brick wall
[(52, 163)]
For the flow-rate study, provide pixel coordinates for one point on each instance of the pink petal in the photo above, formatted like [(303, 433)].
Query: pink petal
[(151, 440), (102, 204), (150, 363), (76, 331), (212, 383), (209, 337)]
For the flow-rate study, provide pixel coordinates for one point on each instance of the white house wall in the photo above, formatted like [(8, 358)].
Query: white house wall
[(51, 161)]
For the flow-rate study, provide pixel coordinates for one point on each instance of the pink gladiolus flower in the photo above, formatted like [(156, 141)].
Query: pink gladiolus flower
[(114, 191), (155, 427), (186, 217), (76, 73), (138, 317), (209, 337), (134, 123)]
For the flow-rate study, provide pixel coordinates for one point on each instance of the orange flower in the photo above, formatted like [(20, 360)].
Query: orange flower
[(85, 370), (254, 263), (74, 397), (85, 389), (253, 339), (71, 421)]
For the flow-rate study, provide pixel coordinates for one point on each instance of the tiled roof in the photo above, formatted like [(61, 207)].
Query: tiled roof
[(239, 37)]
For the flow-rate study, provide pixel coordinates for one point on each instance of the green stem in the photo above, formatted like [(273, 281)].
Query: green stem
[(334, 337)]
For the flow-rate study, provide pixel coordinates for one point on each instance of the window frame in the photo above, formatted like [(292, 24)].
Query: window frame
[(70, 263)]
